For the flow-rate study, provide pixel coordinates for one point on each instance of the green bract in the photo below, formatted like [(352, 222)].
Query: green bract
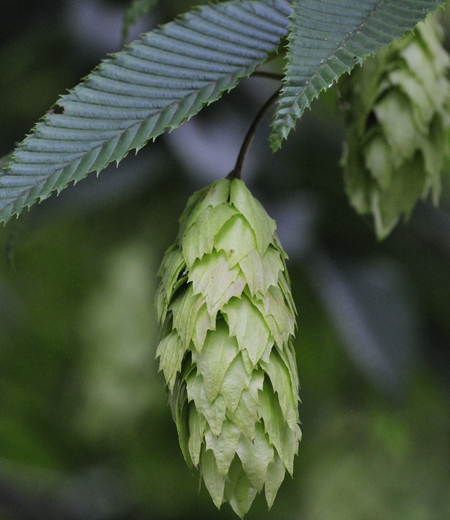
[(397, 121), (228, 321)]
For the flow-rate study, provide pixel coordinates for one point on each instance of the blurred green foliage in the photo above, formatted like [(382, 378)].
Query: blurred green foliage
[(85, 429)]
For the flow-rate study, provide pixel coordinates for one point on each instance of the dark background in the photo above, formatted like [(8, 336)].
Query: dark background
[(85, 430)]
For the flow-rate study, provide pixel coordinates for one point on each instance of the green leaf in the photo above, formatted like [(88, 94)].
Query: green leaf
[(327, 39), (171, 352), (274, 478), (290, 442), (246, 414), (282, 385), (214, 195), (423, 107), (277, 315), (255, 455), (272, 415), (153, 85), (394, 113), (224, 446), (197, 427), (214, 481), (248, 325), (215, 358), (199, 240), (172, 266), (203, 323), (261, 272), (239, 491), (211, 277), (406, 187), (263, 226), (182, 422), (186, 319), (236, 239), (236, 380), (214, 412)]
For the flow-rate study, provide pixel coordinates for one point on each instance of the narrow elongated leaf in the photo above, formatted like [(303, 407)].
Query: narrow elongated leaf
[(153, 85), (213, 479), (328, 38), (197, 425)]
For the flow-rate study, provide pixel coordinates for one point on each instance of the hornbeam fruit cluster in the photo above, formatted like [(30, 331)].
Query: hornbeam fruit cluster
[(228, 321), (396, 126)]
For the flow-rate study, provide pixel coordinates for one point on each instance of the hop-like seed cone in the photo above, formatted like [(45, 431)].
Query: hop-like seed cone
[(227, 314), (396, 125)]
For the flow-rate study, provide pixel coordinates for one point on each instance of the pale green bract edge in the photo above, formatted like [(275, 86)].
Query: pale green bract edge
[(327, 39), (396, 127), (153, 85), (226, 309)]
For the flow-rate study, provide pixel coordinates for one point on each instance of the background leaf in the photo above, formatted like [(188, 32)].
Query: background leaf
[(328, 38)]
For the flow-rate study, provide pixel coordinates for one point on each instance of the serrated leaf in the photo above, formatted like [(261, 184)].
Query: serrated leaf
[(211, 277), (203, 323), (246, 414), (261, 272), (224, 446), (239, 491), (197, 427), (236, 239), (284, 283), (199, 240), (185, 309), (272, 415), (287, 354), (327, 39), (274, 478), (214, 481), (171, 352), (217, 353), (235, 289), (154, 84), (282, 385), (277, 315), (171, 268), (248, 325), (214, 412), (182, 422), (255, 456), (236, 380), (263, 226), (214, 195), (256, 383), (291, 441)]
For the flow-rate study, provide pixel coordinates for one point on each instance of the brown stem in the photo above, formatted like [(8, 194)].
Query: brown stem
[(236, 173)]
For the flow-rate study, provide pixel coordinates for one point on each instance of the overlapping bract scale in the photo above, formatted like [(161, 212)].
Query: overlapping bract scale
[(227, 356), (397, 121)]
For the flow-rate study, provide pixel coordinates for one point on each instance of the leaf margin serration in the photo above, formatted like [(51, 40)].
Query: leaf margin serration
[(362, 40), (98, 127)]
